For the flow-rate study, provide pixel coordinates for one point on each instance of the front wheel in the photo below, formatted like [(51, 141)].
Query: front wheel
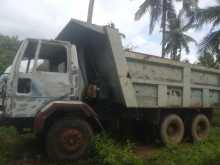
[(68, 139), (172, 130), (3, 95)]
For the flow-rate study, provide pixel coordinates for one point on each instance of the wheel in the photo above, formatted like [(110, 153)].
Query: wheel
[(172, 130), (68, 139), (3, 92), (200, 127)]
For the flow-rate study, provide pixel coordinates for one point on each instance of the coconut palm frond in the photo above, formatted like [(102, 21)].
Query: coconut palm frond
[(210, 42), (163, 11), (176, 39), (205, 16), (188, 7), (154, 7), (142, 9), (155, 15), (189, 39), (185, 45), (215, 24)]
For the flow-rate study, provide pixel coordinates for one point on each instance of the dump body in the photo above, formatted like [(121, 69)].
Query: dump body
[(138, 80), (165, 83)]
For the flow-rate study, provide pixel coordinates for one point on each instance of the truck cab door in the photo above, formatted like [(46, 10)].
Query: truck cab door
[(52, 71), (44, 76), (20, 92)]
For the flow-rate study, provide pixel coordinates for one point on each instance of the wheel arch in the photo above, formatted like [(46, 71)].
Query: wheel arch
[(59, 109)]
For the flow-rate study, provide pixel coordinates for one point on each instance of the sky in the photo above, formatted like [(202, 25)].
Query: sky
[(46, 18)]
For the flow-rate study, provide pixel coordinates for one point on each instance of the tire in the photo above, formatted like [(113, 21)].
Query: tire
[(68, 139), (200, 128), (3, 91), (172, 130)]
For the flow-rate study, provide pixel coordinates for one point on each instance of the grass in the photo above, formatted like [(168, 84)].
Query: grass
[(204, 153), (22, 150), (105, 151)]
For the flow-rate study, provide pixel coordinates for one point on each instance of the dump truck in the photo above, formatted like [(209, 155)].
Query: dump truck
[(82, 83)]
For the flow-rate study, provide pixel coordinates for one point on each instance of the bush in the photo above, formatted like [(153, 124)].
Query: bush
[(106, 152)]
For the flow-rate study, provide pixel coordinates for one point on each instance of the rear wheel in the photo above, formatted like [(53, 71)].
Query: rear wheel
[(200, 127), (68, 139), (172, 130)]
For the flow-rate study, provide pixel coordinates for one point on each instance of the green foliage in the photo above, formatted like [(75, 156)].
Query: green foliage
[(208, 16), (208, 59), (8, 48), (204, 153), (106, 152), (216, 118), (155, 8), (176, 38), (15, 147), (163, 11)]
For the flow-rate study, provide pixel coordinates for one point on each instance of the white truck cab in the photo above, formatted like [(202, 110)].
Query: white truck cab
[(42, 71)]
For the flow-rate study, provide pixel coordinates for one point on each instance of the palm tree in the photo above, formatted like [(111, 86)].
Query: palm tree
[(189, 6), (207, 59), (210, 15), (176, 40), (159, 10)]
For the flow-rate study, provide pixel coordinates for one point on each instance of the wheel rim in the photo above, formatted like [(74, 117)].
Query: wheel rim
[(71, 140), (173, 131), (202, 129)]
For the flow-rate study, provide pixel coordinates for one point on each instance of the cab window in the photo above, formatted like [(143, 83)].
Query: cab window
[(27, 62), (52, 58)]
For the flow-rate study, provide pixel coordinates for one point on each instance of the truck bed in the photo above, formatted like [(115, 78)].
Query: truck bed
[(138, 80), (162, 82)]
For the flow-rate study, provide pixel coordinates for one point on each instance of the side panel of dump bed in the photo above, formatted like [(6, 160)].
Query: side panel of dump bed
[(102, 59), (164, 83), (114, 40)]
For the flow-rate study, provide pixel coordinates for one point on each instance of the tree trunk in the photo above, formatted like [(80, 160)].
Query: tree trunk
[(180, 53), (164, 19), (90, 11)]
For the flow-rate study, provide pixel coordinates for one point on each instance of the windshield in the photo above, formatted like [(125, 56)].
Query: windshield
[(23, 66)]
